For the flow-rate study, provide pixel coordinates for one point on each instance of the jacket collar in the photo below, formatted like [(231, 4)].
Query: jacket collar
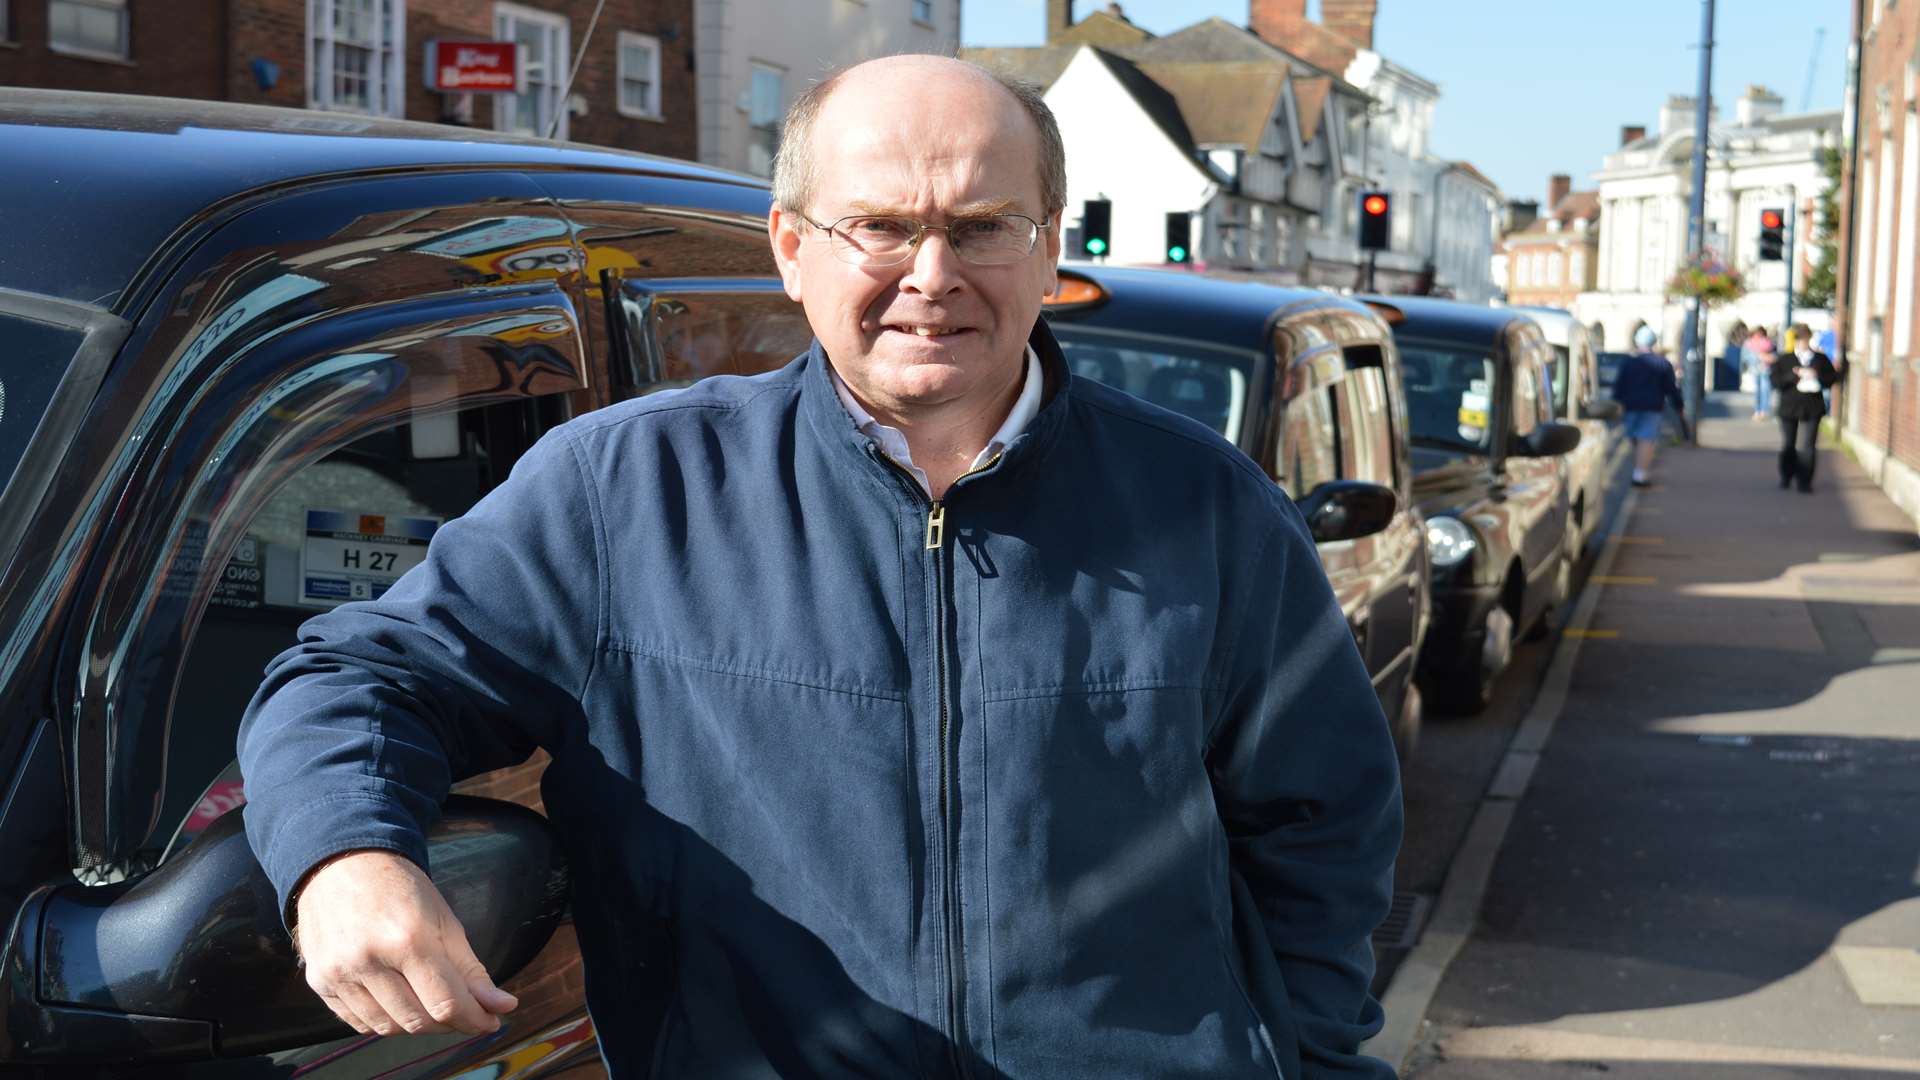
[(840, 433)]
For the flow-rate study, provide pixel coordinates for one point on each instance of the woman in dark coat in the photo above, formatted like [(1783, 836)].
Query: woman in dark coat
[(1798, 381)]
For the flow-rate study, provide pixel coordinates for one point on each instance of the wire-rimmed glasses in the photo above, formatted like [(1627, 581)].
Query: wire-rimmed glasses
[(886, 240)]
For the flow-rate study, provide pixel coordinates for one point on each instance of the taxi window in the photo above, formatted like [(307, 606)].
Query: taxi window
[(1366, 434), (1202, 383), (1309, 450), (340, 529), (1561, 378), (33, 357), (1526, 394), (1449, 395)]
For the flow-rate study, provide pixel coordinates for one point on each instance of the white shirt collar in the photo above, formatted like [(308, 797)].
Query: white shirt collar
[(894, 443)]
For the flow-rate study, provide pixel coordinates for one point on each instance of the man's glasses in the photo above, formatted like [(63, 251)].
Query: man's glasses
[(878, 240)]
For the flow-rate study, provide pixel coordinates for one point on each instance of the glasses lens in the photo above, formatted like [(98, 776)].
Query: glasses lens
[(872, 239), (1002, 238)]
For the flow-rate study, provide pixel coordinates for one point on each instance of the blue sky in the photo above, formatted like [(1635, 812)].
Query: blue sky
[(1534, 87)]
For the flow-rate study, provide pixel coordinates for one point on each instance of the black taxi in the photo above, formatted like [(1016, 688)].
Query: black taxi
[(1491, 477), (1308, 385), (253, 358)]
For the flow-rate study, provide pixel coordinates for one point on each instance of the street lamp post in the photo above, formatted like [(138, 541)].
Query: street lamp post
[(1696, 219)]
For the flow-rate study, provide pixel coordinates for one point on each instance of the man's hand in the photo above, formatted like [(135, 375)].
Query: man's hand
[(386, 954)]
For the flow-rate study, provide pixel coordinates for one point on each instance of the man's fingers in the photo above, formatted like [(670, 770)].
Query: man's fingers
[(373, 1019), (396, 997), (474, 974), (448, 999), (347, 1015)]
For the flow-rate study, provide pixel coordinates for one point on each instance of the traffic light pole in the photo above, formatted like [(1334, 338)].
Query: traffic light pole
[(1793, 226), (1693, 347)]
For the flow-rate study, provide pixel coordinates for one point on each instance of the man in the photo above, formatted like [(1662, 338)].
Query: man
[(1801, 385), (954, 717), (1644, 384)]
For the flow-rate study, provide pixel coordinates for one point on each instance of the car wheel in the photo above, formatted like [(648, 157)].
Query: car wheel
[(1468, 689)]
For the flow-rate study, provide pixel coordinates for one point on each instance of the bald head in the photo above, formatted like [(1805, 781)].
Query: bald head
[(883, 98)]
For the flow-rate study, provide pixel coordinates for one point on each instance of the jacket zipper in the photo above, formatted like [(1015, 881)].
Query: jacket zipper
[(936, 542)]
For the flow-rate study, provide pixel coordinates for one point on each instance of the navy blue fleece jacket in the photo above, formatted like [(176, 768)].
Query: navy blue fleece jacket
[(1089, 782)]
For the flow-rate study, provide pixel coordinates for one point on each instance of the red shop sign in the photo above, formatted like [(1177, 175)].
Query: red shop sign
[(473, 67)]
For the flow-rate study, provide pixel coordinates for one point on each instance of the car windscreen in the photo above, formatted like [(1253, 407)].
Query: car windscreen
[(33, 357), (1449, 395), (1202, 382)]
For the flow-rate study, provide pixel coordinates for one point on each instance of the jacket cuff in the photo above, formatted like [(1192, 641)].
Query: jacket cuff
[(358, 821)]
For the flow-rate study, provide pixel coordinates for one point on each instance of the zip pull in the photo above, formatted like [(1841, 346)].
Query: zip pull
[(936, 527)]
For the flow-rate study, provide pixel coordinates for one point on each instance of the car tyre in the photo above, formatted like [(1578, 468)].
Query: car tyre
[(1468, 690)]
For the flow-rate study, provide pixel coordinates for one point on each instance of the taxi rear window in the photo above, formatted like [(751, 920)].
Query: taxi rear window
[(1201, 383), (33, 357)]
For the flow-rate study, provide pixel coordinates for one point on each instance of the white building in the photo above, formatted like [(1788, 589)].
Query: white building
[(1387, 147), (753, 57), (1762, 160)]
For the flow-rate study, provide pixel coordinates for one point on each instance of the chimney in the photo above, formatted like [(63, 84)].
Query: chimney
[(1351, 19), (1059, 18), (1273, 20), (1557, 187), (1757, 104), (1677, 114), (1632, 133)]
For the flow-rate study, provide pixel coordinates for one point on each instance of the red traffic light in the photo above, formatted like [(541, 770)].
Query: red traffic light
[(1375, 205), (1770, 219)]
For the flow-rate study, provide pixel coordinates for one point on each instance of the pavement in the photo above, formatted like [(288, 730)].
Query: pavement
[(1705, 864)]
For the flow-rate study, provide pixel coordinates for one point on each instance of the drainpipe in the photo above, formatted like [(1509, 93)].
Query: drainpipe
[(1844, 299)]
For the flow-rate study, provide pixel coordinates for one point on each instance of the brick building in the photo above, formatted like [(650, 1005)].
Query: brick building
[(1879, 323), (635, 88), (1555, 257)]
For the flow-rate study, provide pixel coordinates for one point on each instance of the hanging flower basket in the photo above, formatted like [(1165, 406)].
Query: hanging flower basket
[(1711, 281)]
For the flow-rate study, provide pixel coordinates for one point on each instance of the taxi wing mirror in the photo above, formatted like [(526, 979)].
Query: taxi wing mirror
[(191, 961), (1348, 510), (1550, 440)]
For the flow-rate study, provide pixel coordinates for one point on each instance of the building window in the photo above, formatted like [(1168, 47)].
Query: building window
[(1903, 310), (542, 37), (766, 106), (1554, 266), (1578, 273), (356, 53), (639, 75), (86, 27), (923, 11)]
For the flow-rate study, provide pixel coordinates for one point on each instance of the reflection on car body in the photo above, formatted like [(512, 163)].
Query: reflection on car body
[(1308, 386), (1491, 479), (248, 381), (1577, 400)]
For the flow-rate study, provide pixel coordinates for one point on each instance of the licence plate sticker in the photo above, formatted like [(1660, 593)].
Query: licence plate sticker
[(353, 556)]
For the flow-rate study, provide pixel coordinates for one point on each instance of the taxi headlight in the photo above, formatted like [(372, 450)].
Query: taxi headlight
[(1448, 542)]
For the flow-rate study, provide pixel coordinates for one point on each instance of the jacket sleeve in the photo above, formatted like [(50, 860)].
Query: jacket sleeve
[(1670, 384), (1307, 785), (472, 659), (1782, 372)]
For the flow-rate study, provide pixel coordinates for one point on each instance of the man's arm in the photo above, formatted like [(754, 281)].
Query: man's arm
[(1308, 787), (350, 745)]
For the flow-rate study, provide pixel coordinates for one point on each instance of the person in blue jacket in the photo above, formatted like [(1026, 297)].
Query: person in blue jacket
[(948, 715), (1643, 386)]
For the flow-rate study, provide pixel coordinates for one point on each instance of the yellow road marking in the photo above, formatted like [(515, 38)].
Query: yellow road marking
[(1602, 634), (1643, 539), (1625, 580)]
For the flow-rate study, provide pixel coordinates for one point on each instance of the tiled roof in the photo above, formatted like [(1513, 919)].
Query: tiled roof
[(1310, 98), (1315, 43), (1039, 65), (1222, 103), (1102, 28), (1154, 100)]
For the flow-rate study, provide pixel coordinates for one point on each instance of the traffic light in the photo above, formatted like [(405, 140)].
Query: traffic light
[(1096, 226), (1179, 238), (1376, 221), (1773, 243)]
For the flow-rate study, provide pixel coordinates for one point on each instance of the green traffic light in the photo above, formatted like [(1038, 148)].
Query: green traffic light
[(1096, 246), (1177, 254)]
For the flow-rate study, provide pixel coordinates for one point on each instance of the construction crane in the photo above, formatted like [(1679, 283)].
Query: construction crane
[(1813, 68)]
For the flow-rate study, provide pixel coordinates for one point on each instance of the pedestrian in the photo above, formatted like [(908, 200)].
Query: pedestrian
[(949, 714), (1801, 384), (1759, 358), (1643, 386)]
